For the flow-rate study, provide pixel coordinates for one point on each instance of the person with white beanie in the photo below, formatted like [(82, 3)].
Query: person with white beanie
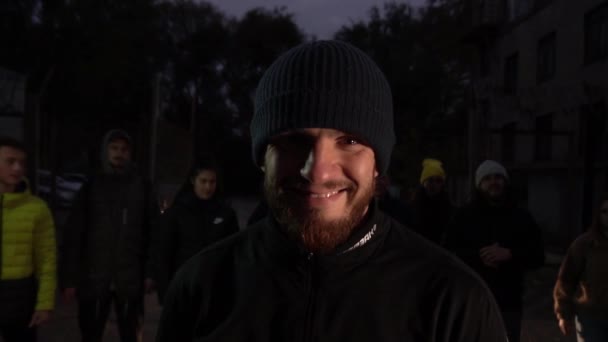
[(499, 240)]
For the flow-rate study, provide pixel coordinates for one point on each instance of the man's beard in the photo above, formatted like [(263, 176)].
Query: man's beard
[(306, 224), (494, 196)]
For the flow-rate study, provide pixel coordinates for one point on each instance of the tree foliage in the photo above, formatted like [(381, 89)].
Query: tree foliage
[(95, 64), (420, 53)]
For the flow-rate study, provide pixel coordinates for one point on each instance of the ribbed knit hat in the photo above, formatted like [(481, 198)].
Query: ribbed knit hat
[(489, 167), (431, 168), (325, 84)]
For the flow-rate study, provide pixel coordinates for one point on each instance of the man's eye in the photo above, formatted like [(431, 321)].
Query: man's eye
[(350, 141)]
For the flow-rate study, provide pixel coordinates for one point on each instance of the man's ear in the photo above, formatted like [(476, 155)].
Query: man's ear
[(263, 168)]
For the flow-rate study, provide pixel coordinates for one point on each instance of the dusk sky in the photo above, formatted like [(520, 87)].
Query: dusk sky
[(319, 17)]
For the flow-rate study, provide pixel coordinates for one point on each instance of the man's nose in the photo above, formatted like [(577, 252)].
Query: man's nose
[(320, 163)]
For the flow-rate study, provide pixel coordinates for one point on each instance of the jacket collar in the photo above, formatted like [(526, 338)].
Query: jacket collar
[(359, 246), (13, 199)]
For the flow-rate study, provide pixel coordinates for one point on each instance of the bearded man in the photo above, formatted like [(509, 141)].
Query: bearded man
[(326, 264)]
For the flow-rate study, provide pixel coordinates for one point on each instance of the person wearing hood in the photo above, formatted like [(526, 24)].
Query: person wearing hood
[(499, 240), (27, 250), (431, 209), (107, 240), (198, 218), (580, 295)]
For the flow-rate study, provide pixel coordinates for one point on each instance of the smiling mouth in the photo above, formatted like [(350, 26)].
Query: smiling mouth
[(325, 195)]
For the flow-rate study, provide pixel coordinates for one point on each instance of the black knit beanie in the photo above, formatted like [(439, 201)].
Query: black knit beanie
[(325, 84)]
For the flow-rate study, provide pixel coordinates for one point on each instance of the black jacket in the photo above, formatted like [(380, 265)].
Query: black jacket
[(108, 236), (190, 225), (478, 225), (430, 216), (384, 284)]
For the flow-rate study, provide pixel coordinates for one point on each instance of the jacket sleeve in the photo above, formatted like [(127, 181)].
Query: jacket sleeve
[(45, 259), (166, 246), (179, 315), (529, 253), (568, 279), (72, 240)]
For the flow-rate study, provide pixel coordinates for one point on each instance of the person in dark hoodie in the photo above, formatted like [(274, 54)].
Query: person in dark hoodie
[(198, 218), (581, 290), (431, 209), (27, 250), (105, 257), (325, 264), (498, 240)]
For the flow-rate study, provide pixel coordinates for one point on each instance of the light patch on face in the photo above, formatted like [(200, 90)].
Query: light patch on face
[(12, 167), (493, 186), (318, 184), (119, 153), (205, 184), (434, 185)]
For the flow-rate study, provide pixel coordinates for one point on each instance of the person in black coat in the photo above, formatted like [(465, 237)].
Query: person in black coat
[(198, 218), (105, 254), (431, 209), (325, 264), (498, 240)]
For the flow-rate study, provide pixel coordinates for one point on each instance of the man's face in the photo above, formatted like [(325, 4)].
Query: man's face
[(119, 153), (493, 186), (433, 185), (205, 184), (319, 183), (12, 166)]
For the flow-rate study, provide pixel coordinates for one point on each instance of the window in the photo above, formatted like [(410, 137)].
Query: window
[(508, 142), (596, 34), (518, 9), (544, 128), (545, 68), (510, 74)]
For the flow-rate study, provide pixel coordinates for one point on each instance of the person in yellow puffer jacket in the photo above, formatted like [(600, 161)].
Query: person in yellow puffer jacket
[(27, 250)]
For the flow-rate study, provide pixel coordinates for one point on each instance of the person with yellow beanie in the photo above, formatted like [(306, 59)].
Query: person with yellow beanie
[(433, 176), (431, 208)]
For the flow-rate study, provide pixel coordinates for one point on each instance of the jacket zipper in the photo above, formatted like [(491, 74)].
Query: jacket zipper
[(311, 297)]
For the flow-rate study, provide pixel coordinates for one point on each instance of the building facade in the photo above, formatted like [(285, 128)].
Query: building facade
[(540, 95)]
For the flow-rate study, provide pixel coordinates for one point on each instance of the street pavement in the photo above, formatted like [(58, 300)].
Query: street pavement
[(539, 323)]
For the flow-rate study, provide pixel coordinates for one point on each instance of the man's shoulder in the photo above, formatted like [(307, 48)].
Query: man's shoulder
[(583, 242), (36, 203)]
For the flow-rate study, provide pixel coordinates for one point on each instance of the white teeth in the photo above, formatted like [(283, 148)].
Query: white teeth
[(327, 195)]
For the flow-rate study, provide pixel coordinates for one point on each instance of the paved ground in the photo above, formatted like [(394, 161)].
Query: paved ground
[(539, 323)]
